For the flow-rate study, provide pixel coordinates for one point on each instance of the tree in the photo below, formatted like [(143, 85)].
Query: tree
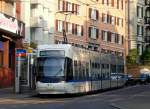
[(145, 57), (132, 57)]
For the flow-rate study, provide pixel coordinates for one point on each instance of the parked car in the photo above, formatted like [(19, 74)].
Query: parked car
[(129, 79), (143, 79)]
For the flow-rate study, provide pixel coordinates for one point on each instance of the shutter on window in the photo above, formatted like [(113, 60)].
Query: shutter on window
[(58, 4), (112, 3), (56, 25), (90, 10), (102, 17), (102, 1), (72, 28), (122, 4), (81, 30), (66, 6), (73, 7), (107, 18), (76, 9), (115, 20), (66, 26), (97, 14), (97, 33), (102, 35), (107, 2), (63, 5), (89, 31), (75, 29), (110, 19)]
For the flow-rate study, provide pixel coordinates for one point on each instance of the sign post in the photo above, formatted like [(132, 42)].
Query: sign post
[(20, 58)]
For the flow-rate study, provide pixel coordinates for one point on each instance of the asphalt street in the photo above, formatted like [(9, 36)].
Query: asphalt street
[(132, 97)]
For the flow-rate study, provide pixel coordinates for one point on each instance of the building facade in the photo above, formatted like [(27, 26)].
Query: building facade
[(93, 24), (147, 23), (97, 25), (135, 24), (11, 33)]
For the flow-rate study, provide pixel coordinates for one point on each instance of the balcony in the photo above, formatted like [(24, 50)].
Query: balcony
[(36, 22), (147, 2)]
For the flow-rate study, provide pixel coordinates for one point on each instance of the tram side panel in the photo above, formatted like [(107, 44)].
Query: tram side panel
[(105, 73)]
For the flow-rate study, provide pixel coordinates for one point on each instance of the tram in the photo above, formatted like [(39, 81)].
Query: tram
[(65, 69)]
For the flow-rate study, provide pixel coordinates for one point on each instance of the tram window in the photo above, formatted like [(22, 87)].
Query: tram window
[(92, 65), (102, 66), (69, 69), (75, 70)]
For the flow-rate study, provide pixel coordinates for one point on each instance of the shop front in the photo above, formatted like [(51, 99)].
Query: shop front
[(12, 31)]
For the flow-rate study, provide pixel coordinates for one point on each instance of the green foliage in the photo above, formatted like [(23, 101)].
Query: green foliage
[(33, 45), (146, 55), (132, 57)]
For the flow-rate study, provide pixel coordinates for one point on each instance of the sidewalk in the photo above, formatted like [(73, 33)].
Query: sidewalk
[(9, 93)]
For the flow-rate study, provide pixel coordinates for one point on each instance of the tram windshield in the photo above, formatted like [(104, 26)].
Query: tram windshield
[(50, 68)]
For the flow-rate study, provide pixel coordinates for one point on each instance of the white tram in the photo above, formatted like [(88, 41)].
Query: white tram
[(62, 69)]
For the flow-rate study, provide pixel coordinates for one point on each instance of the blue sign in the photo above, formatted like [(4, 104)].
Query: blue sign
[(20, 51), (1, 45)]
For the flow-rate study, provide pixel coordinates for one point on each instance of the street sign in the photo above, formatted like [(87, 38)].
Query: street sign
[(20, 69)]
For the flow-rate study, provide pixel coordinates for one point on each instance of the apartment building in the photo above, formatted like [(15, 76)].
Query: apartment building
[(11, 33), (135, 21), (93, 24), (147, 23)]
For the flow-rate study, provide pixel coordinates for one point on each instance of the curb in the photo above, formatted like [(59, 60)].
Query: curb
[(117, 106)]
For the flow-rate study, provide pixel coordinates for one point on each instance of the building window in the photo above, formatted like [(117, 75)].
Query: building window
[(34, 10), (69, 7), (139, 30), (59, 25), (104, 35), (113, 37), (78, 10), (139, 12), (69, 27), (79, 30), (117, 38), (120, 39), (93, 32), (104, 18), (105, 2), (60, 5), (93, 14), (120, 22), (147, 2), (112, 20)]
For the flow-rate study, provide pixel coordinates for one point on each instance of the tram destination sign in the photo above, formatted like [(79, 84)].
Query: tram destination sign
[(52, 53)]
